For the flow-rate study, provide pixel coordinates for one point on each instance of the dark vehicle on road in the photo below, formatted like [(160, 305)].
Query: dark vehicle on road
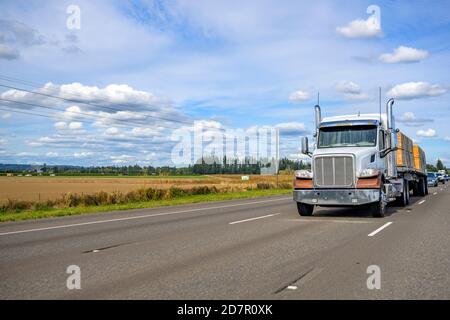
[(440, 178)]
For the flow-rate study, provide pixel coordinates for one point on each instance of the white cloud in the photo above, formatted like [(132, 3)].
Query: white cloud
[(83, 154), (404, 54), (60, 125), (145, 132), (3, 141), (412, 90), (429, 133), (6, 115), (15, 35), (299, 96), (75, 125), (361, 28), (122, 159), (119, 161), (112, 131), (7, 52), (410, 119), (447, 138), (26, 154), (292, 128), (345, 86), (51, 154), (351, 90)]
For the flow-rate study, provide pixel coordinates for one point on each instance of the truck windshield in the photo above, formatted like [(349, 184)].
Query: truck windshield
[(347, 136)]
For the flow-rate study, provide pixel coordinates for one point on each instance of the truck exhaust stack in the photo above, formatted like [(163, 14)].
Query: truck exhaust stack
[(318, 117), (389, 113)]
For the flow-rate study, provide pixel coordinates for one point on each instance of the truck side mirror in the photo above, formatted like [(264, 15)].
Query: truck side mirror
[(305, 147)]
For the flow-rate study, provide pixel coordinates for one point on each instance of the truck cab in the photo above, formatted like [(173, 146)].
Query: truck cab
[(353, 164)]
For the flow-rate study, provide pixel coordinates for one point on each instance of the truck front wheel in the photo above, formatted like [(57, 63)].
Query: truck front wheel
[(305, 209), (379, 208)]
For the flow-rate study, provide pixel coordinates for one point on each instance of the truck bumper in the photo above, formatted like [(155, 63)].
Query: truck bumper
[(337, 197)]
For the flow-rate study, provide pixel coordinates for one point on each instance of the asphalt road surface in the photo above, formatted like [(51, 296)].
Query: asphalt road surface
[(247, 249)]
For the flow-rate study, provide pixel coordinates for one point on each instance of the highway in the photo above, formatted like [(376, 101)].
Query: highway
[(245, 249)]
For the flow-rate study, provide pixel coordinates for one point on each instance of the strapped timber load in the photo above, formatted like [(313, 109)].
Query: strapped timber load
[(410, 157)]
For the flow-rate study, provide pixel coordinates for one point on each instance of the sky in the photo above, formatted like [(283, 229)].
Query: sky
[(115, 84)]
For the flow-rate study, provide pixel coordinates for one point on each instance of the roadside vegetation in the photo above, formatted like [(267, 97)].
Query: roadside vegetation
[(73, 204)]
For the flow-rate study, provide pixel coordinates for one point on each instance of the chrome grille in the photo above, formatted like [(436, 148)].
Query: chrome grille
[(333, 171)]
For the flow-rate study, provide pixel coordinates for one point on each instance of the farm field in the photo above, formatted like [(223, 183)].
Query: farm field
[(50, 188)]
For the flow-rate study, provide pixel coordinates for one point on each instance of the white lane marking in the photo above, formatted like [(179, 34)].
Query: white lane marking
[(139, 217), (329, 220), (434, 193), (257, 218), (292, 287), (421, 201), (379, 229)]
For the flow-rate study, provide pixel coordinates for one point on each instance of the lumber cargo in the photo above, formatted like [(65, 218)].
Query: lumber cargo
[(420, 164), (409, 157)]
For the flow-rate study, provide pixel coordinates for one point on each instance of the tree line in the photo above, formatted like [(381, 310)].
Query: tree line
[(203, 166)]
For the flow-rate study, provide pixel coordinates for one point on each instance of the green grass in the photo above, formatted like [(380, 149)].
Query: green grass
[(38, 214), (115, 176)]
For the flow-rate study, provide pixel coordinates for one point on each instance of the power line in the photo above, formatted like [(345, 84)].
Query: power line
[(88, 103), (74, 112), (36, 86), (73, 93), (29, 83)]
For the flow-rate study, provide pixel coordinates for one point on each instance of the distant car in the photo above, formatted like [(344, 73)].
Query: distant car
[(432, 180), (447, 177), (440, 177)]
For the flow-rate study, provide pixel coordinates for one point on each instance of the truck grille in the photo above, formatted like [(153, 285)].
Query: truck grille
[(333, 171)]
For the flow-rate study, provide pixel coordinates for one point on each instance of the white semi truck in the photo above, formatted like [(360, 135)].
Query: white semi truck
[(359, 160)]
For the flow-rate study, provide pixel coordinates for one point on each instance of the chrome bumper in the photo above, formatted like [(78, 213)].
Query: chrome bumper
[(337, 197)]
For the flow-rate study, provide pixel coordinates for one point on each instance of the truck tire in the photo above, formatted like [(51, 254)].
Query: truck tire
[(404, 198), (378, 208), (416, 189), (422, 187), (305, 209)]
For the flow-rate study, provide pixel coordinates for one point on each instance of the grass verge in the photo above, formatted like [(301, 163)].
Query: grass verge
[(50, 212)]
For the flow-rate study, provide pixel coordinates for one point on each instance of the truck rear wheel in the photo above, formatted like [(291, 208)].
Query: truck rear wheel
[(378, 208), (305, 209), (404, 198), (416, 188), (422, 187)]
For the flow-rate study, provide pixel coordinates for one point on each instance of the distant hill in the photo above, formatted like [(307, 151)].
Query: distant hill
[(6, 167)]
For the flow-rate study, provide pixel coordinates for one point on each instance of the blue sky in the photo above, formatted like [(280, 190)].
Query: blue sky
[(234, 64)]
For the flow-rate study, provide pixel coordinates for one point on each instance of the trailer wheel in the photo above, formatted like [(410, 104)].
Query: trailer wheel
[(379, 208), (404, 198), (305, 209), (416, 188), (422, 187)]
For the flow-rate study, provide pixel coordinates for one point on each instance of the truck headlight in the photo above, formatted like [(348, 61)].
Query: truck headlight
[(367, 173), (303, 174)]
